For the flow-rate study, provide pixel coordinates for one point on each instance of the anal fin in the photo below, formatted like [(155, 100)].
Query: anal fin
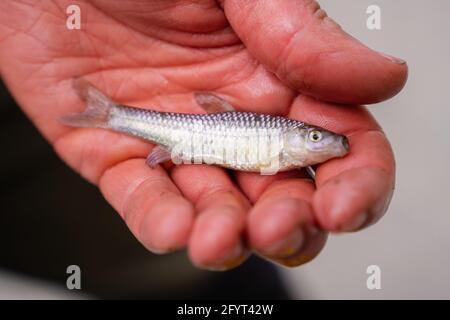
[(158, 155)]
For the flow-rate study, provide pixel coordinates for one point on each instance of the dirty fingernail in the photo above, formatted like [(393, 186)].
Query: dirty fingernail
[(233, 259), (287, 246), (314, 240)]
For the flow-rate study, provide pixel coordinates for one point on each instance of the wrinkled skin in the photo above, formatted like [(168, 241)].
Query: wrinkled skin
[(267, 56)]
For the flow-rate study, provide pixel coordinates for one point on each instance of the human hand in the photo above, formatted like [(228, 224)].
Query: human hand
[(267, 56)]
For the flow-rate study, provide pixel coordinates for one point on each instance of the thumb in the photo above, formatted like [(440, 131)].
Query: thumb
[(308, 51)]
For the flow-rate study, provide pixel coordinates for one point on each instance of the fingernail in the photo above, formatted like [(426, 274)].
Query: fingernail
[(306, 251), (233, 259), (287, 246), (392, 58), (356, 223), (158, 251), (295, 261)]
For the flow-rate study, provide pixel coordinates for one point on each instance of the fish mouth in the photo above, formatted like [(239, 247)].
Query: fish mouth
[(344, 147), (345, 144)]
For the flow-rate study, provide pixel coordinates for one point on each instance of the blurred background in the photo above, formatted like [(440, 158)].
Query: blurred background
[(50, 218), (411, 244)]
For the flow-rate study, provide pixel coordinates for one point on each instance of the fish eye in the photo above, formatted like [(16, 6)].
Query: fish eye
[(315, 136)]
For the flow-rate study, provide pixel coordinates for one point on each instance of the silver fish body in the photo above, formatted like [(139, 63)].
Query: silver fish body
[(238, 140), (243, 141)]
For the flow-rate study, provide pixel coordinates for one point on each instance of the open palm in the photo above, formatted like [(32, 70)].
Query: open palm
[(267, 56)]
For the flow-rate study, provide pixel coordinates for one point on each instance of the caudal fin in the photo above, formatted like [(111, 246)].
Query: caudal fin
[(98, 107)]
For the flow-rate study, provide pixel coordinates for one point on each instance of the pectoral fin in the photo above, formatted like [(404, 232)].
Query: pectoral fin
[(212, 103), (158, 155), (311, 172)]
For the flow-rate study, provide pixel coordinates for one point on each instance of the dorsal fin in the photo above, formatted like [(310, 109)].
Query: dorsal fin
[(212, 103)]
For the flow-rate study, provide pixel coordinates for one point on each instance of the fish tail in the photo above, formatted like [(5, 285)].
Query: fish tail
[(98, 107)]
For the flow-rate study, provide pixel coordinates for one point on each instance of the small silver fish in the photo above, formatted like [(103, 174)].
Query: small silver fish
[(245, 141)]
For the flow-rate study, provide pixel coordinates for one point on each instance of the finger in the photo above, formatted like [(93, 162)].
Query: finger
[(282, 227), (352, 192), (216, 242), (307, 50), (89, 152), (253, 184), (150, 204)]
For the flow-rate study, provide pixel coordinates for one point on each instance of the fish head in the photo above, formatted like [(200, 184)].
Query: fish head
[(312, 145)]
